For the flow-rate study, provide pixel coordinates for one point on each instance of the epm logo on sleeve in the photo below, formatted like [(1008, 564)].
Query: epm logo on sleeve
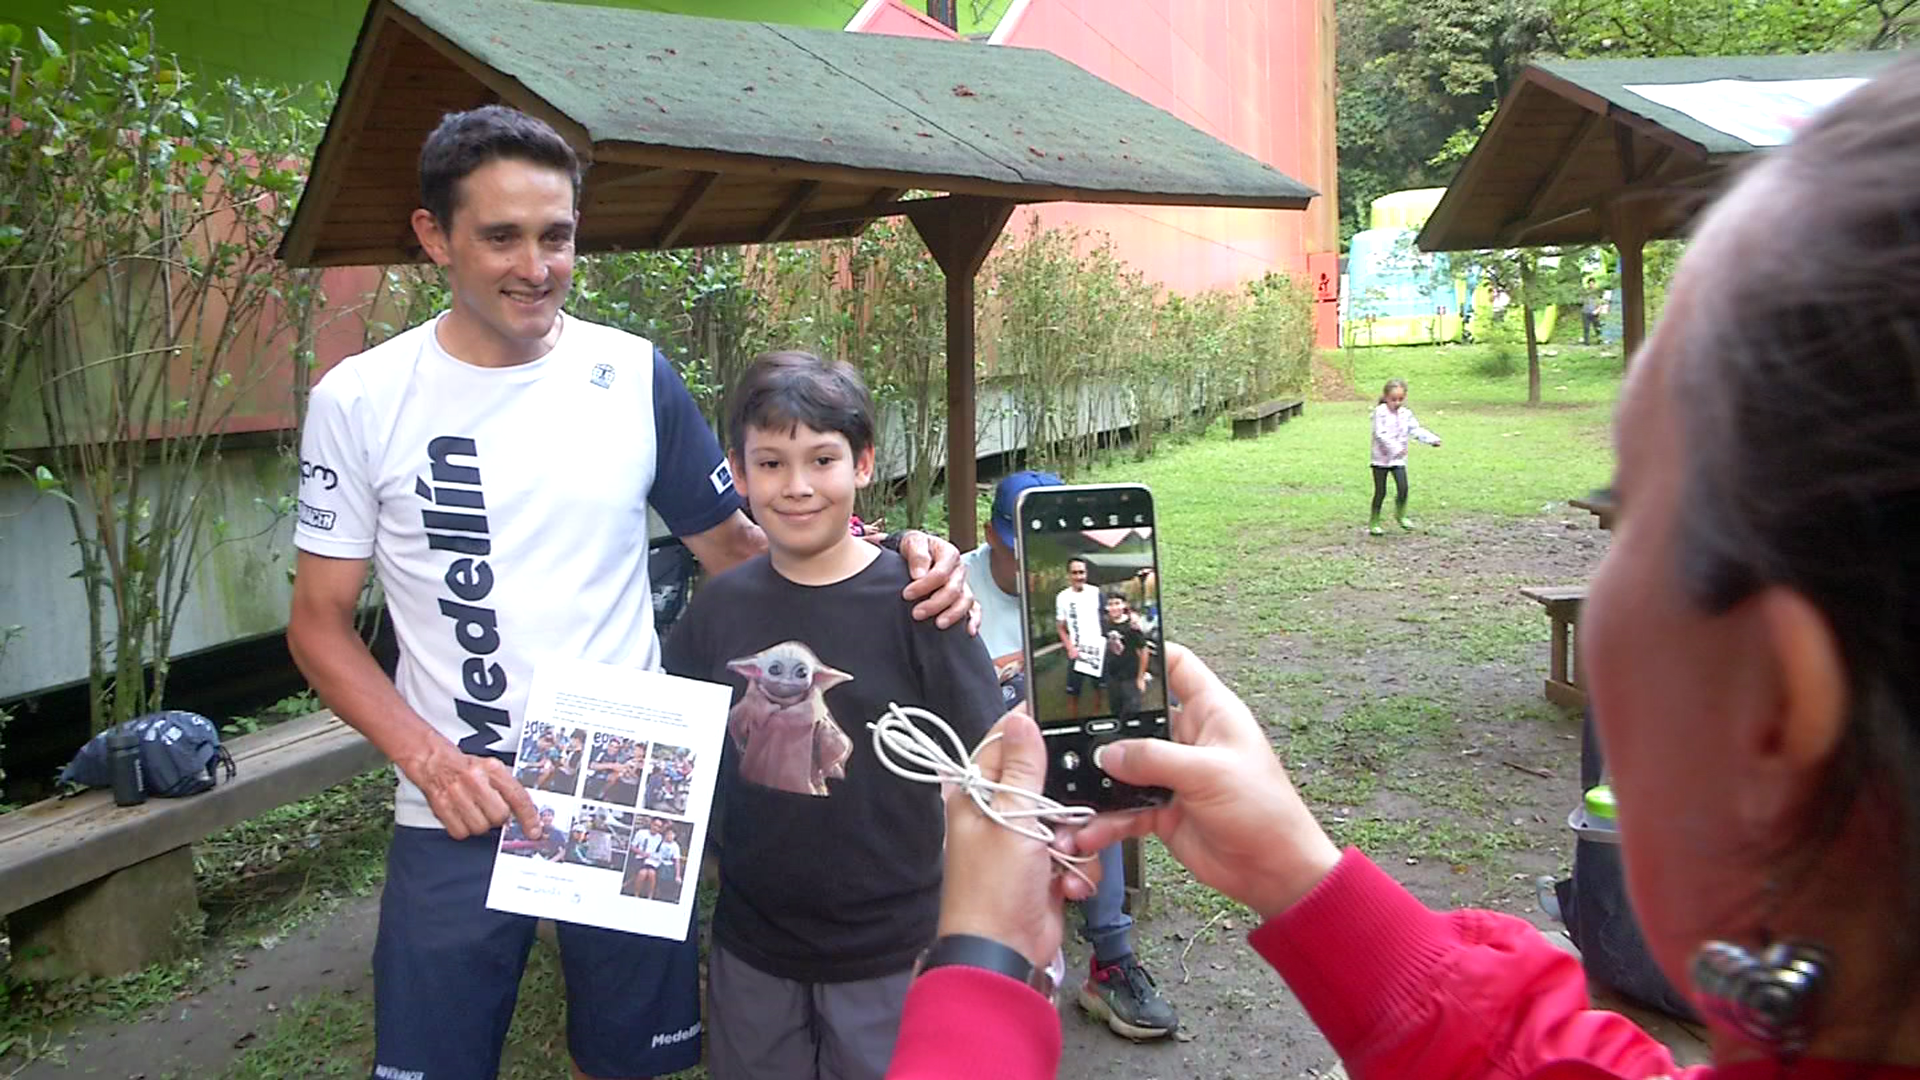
[(721, 477)]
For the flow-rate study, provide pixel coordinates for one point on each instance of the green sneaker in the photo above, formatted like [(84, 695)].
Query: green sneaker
[(1124, 995), (1375, 530), (1407, 524)]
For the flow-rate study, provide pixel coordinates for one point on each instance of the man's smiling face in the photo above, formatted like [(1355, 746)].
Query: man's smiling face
[(508, 251)]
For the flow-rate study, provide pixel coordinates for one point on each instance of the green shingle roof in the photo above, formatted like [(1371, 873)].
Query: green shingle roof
[(758, 104), (1609, 79)]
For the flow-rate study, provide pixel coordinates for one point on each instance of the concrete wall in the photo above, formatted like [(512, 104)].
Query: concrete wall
[(242, 589), (1256, 74)]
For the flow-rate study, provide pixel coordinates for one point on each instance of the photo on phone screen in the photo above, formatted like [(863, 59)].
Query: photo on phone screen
[(1096, 665)]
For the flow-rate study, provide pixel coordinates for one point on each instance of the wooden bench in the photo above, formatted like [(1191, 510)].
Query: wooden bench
[(1256, 420), (1686, 1042), (1563, 609), (93, 888)]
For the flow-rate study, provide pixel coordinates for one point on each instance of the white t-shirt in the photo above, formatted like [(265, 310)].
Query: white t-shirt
[(505, 511), (999, 611), (665, 853), (1080, 609)]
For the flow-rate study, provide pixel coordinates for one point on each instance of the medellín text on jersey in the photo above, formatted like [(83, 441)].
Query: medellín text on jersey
[(456, 522)]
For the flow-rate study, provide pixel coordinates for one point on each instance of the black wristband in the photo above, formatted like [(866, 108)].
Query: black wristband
[(971, 950)]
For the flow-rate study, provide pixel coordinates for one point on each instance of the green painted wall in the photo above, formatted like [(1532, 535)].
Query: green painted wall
[(308, 41)]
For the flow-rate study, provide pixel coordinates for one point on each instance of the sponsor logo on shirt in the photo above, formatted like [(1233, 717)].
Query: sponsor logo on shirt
[(320, 474), (669, 1038), (315, 518), (602, 376), (721, 478), (388, 1072), (455, 521)]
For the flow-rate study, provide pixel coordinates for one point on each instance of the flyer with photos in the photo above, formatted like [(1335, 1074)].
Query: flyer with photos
[(621, 765)]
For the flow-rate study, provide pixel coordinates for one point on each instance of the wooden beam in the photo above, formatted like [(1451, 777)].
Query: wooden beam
[(1623, 149), (1661, 155), (959, 232), (1563, 164), (1628, 225), (682, 212), (783, 218), (509, 89), (357, 101), (608, 177)]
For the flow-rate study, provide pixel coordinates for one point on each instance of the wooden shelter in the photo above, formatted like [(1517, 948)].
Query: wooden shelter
[(1576, 155), (708, 131)]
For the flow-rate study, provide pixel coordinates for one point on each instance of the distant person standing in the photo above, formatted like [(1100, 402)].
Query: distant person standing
[(1393, 426), (1076, 615), (1590, 316)]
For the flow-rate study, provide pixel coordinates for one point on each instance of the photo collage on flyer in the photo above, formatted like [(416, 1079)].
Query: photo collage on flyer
[(608, 801)]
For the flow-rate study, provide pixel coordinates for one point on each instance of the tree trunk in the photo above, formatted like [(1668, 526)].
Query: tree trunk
[(1533, 341)]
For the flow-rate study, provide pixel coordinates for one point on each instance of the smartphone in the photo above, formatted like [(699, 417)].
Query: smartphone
[(1094, 656)]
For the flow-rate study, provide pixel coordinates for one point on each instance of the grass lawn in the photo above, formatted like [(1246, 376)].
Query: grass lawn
[(1399, 676)]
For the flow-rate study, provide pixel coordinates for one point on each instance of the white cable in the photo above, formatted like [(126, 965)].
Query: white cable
[(896, 736)]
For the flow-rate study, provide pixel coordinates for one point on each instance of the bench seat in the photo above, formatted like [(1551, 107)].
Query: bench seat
[(1256, 420), (60, 858)]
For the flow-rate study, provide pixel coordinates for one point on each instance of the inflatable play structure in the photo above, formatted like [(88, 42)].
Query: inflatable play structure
[(1395, 294)]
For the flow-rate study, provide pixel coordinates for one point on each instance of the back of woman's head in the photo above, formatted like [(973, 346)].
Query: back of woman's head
[(1800, 398)]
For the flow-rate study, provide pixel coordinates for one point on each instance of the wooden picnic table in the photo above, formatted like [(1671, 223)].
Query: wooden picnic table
[(1600, 504)]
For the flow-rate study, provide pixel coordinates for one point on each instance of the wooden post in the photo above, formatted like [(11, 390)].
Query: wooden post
[(1627, 226), (959, 231)]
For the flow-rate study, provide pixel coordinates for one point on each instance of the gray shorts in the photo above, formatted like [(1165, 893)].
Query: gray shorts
[(762, 1027)]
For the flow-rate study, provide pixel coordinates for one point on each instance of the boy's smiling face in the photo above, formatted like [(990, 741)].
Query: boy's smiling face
[(801, 483)]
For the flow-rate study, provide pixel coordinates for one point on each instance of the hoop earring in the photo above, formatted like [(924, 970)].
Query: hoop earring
[(1772, 999)]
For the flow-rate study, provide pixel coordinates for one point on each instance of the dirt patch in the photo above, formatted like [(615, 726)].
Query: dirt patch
[(1333, 378)]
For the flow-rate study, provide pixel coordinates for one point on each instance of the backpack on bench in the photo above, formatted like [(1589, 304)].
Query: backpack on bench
[(180, 754)]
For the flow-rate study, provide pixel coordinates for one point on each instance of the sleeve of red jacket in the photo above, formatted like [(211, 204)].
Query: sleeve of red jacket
[(1401, 990), (963, 1023)]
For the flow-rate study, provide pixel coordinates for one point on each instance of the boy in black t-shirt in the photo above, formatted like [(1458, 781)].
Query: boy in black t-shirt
[(1126, 669), (829, 864)]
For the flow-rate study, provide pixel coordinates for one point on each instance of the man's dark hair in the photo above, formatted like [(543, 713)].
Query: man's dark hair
[(782, 390), (465, 141), (1081, 561)]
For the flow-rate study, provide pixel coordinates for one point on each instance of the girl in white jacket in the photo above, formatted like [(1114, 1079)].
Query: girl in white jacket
[(1393, 425)]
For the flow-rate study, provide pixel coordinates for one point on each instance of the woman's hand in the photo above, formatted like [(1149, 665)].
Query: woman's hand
[(1235, 819), (1001, 884)]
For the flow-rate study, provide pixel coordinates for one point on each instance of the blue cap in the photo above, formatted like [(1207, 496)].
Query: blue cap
[(1007, 494)]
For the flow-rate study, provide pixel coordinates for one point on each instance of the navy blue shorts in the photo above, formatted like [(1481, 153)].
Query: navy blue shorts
[(446, 971)]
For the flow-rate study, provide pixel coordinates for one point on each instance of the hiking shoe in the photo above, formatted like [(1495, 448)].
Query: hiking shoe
[(1375, 530), (1124, 995), (1407, 524)]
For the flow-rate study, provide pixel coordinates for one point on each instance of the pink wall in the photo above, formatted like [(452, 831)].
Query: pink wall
[(1257, 74)]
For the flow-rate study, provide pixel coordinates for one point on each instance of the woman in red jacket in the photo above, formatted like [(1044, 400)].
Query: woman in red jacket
[(1750, 644)]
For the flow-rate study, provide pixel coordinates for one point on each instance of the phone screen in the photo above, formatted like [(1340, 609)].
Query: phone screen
[(1095, 659)]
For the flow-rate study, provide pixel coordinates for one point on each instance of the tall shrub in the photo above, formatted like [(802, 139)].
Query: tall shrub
[(143, 217)]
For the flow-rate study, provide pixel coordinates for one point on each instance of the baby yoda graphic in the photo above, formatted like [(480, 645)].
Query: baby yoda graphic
[(786, 737)]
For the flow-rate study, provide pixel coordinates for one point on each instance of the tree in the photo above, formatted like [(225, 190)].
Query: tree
[(1534, 278), (151, 308)]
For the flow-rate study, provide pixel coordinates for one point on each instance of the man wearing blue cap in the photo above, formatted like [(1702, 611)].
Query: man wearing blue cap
[(1118, 988)]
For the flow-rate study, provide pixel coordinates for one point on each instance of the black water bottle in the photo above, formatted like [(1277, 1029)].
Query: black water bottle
[(129, 780)]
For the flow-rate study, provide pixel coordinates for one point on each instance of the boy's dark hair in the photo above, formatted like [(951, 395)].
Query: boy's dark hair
[(782, 390), (465, 141), (1112, 596)]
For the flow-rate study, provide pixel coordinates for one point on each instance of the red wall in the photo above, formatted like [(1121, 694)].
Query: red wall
[(1257, 74)]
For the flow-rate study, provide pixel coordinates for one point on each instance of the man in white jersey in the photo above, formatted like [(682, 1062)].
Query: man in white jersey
[(496, 465), (1076, 614)]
